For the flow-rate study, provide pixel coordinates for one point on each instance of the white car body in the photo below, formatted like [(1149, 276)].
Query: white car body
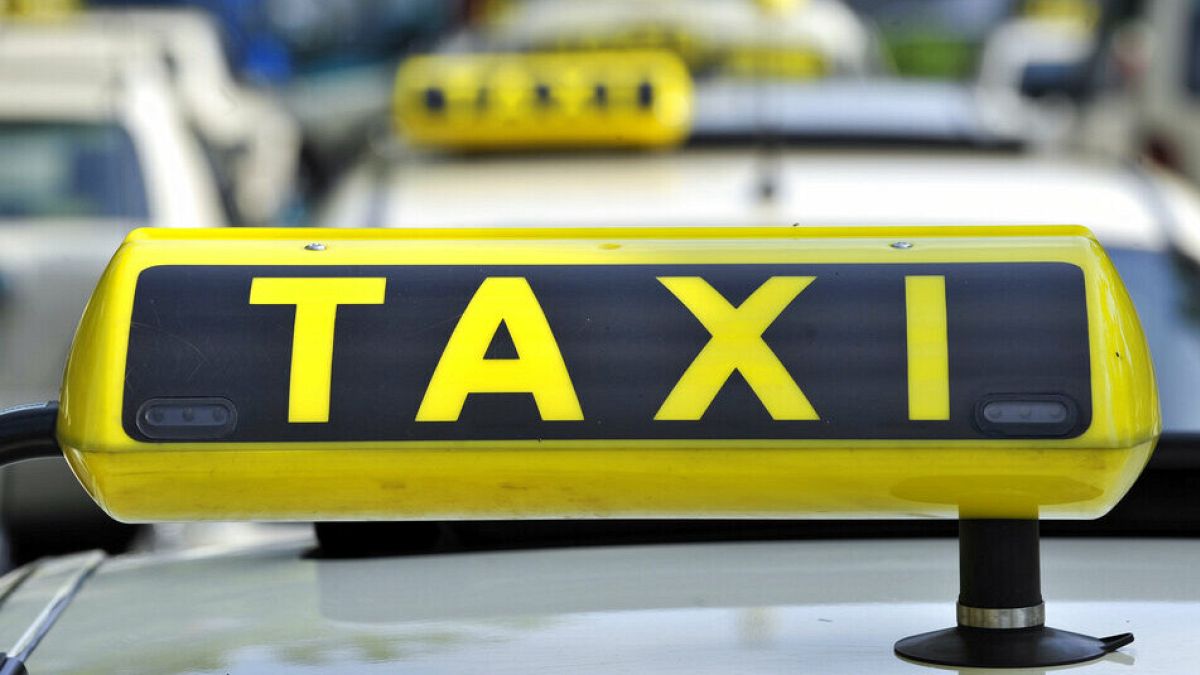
[(714, 186), (770, 607), (1019, 43), (251, 136)]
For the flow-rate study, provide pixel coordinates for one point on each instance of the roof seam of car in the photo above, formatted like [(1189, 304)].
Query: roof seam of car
[(10, 582), (45, 620)]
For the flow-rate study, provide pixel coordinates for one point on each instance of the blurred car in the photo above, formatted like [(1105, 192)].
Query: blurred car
[(1155, 111), (251, 140), (1145, 218), (90, 147), (326, 65), (834, 152), (1040, 56), (938, 39), (804, 40), (1031, 52)]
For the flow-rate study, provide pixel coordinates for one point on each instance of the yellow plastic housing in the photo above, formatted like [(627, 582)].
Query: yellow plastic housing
[(1078, 477), (547, 100)]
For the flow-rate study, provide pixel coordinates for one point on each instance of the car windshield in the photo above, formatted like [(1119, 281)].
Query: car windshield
[(69, 170)]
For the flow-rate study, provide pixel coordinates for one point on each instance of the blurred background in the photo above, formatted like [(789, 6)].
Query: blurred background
[(491, 113)]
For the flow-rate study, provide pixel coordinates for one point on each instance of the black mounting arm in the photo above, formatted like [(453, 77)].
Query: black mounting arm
[(1001, 617), (27, 432)]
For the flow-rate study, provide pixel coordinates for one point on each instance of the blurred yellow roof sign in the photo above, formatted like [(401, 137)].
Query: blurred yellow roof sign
[(510, 101), (38, 9), (779, 6), (769, 62), (1083, 13), (703, 35)]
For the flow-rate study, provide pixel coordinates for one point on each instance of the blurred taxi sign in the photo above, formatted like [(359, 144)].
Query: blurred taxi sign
[(39, 9), (983, 372), (513, 101), (782, 63), (1083, 13), (779, 7)]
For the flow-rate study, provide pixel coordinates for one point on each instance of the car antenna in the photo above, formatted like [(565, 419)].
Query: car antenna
[(769, 156)]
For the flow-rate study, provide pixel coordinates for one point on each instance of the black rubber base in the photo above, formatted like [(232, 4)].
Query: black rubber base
[(10, 666), (1007, 648)]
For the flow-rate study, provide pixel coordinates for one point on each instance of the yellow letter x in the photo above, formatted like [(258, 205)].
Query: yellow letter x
[(736, 344), (539, 368)]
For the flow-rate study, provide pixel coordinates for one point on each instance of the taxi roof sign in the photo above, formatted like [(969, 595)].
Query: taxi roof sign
[(445, 374), (543, 100)]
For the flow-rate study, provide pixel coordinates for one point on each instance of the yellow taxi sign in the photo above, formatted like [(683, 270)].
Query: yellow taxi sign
[(785, 372), (779, 7), (768, 62), (1083, 13), (512, 101), (39, 9)]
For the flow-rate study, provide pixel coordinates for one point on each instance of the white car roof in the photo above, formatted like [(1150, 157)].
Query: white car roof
[(720, 187), (70, 48), (806, 606)]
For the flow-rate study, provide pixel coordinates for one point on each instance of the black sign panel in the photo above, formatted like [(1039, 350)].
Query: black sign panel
[(1016, 332)]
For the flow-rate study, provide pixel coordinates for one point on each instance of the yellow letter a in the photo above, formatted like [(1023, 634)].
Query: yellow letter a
[(538, 368)]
